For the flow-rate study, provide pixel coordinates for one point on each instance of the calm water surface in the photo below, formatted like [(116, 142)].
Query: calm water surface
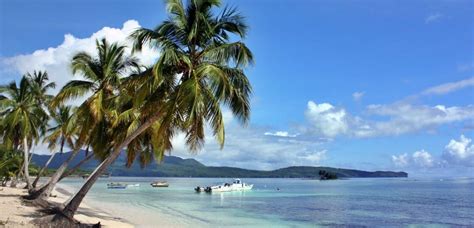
[(298, 203)]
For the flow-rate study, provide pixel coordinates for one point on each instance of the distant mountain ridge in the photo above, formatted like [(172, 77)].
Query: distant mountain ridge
[(173, 166)]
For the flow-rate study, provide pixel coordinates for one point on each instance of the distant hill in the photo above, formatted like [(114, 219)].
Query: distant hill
[(173, 166)]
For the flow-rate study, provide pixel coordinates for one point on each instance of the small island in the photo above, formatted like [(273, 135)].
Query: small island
[(325, 175)]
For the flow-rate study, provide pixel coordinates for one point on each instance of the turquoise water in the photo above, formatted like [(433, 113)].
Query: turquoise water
[(298, 203)]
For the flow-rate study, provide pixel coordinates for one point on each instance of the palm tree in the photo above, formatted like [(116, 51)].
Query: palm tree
[(204, 69), (62, 134), (39, 86), (22, 119), (102, 79)]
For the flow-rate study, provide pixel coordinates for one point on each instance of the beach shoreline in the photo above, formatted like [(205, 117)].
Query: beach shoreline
[(15, 213)]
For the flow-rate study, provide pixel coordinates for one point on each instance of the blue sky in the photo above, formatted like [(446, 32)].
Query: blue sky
[(359, 84)]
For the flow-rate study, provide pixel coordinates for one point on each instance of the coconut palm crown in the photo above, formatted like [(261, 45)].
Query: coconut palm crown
[(102, 75), (198, 50)]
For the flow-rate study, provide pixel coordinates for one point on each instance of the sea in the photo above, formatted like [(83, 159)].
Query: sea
[(279, 202)]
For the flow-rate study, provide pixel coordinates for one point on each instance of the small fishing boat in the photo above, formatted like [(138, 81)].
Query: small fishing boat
[(157, 184), (116, 186), (237, 185)]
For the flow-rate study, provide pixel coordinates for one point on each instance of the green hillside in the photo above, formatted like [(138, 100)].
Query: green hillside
[(173, 166)]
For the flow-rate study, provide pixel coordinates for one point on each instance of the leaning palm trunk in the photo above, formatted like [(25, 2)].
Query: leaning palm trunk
[(25, 163), (76, 167), (36, 193), (73, 203), (45, 190), (43, 169)]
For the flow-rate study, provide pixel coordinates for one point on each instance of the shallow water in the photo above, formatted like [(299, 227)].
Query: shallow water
[(299, 203)]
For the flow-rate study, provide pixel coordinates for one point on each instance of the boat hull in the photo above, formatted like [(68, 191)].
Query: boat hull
[(159, 185)]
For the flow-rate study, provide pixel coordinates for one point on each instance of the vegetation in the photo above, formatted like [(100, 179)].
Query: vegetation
[(177, 167), (23, 118), (130, 106), (10, 164), (62, 134), (137, 108), (325, 175), (199, 70), (140, 108)]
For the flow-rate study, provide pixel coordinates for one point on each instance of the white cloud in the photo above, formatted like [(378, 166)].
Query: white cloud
[(394, 119), (449, 87), (405, 118), (316, 157), (433, 17), (460, 151), (400, 160), (423, 159), (357, 96), (326, 120), (457, 153), (465, 67), (56, 60), (419, 159), (280, 134)]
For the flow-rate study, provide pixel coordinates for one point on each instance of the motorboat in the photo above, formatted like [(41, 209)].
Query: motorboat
[(116, 186), (237, 185), (158, 184)]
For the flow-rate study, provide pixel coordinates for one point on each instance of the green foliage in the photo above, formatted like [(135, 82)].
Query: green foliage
[(199, 70), (10, 163), (22, 116), (65, 129), (94, 117)]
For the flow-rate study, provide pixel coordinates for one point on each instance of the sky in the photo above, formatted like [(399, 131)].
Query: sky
[(373, 85)]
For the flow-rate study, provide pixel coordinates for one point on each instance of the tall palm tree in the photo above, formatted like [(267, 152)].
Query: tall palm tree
[(102, 79), (22, 119), (207, 67), (62, 134)]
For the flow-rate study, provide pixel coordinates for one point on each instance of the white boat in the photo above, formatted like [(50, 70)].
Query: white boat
[(121, 185), (158, 184), (133, 185), (237, 185)]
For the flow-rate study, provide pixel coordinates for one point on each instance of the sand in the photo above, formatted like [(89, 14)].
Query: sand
[(14, 213)]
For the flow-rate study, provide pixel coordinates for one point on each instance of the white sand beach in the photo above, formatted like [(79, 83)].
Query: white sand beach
[(14, 213)]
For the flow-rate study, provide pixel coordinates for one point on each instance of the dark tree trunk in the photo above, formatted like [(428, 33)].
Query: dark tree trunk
[(14, 181), (73, 169), (73, 203), (42, 170), (44, 192)]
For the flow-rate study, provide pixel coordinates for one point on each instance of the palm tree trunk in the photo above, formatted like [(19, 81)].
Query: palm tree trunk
[(14, 181), (43, 169), (73, 203), (25, 164), (76, 167), (46, 189)]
